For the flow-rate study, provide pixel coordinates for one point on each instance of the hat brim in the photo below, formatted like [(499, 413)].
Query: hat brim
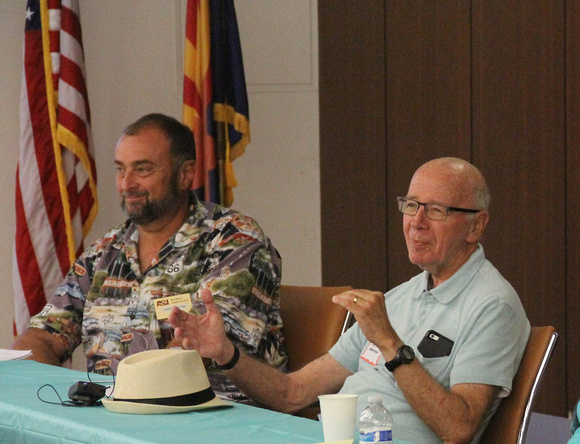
[(138, 408)]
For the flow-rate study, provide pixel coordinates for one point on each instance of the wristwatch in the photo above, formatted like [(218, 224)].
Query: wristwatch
[(405, 355), (230, 365)]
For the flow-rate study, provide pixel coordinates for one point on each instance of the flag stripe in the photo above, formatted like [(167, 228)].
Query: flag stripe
[(191, 96), (197, 98), (27, 260), (70, 22), (75, 125), (71, 75)]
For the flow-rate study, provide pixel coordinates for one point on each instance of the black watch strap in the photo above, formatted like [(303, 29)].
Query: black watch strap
[(405, 355), (230, 365)]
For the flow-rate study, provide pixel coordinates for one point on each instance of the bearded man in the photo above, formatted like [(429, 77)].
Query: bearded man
[(117, 296)]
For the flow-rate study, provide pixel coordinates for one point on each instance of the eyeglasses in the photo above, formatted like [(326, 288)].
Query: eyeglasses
[(432, 210)]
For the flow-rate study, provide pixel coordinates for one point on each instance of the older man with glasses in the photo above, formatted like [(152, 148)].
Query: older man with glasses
[(442, 349)]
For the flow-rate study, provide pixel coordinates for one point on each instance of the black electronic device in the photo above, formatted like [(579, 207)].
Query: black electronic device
[(435, 345), (86, 392)]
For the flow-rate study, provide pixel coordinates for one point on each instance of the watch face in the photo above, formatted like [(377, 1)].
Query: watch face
[(407, 353)]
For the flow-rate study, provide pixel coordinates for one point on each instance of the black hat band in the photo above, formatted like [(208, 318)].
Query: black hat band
[(179, 401)]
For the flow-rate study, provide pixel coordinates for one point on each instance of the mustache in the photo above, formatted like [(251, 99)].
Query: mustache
[(142, 193)]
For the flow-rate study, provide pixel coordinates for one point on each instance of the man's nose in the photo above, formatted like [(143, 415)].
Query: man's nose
[(420, 217), (127, 180)]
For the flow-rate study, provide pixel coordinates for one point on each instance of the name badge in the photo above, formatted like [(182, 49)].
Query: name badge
[(163, 306), (371, 354)]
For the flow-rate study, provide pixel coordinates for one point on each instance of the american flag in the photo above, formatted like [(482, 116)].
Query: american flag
[(56, 194), (215, 101)]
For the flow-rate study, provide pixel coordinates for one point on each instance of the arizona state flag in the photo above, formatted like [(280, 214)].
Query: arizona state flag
[(215, 101)]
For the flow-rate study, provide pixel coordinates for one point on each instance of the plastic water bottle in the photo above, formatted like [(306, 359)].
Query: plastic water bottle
[(376, 423)]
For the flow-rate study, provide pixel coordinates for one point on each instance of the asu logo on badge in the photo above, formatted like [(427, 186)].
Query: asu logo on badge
[(163, 306)]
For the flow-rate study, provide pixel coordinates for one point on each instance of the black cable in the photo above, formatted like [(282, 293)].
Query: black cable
[(70, 403), (76, 402)]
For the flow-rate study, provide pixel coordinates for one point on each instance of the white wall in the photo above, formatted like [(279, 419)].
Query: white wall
[(134, 51)]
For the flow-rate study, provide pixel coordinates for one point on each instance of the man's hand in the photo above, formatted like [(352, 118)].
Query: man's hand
[(46, 347), (205, 333), (368, 307), (455, 414)]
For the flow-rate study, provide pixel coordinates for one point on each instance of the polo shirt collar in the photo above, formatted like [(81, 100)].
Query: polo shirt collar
[(455, 285)]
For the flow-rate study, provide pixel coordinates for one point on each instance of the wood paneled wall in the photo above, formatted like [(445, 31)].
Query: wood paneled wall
[(495, 82)]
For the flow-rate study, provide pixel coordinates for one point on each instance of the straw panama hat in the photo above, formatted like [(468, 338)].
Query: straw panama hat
[(162, 381)]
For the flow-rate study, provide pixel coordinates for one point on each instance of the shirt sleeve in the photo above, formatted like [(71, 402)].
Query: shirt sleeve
[(244, 278), (492, 350), (62, 315), (348, 348)]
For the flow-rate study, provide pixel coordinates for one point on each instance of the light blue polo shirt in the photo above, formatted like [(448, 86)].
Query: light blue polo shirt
[(575, 430), (476, 308)]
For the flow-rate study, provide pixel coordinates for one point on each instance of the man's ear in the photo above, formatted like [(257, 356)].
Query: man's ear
[(186, 173), (477, 226)]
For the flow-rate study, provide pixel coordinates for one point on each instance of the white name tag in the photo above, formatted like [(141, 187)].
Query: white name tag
[(371, 354), (163, 306)]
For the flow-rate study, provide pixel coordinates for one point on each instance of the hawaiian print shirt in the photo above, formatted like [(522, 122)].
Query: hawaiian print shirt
[(106, 303)]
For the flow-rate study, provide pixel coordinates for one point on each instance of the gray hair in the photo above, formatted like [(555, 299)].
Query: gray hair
[(182, 144)]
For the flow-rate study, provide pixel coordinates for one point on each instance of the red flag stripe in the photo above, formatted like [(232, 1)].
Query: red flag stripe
[(70, 22), (72, 122), (71, 74), (191, 94)]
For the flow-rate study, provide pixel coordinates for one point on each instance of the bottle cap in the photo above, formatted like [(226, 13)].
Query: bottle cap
[(375, 399)]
